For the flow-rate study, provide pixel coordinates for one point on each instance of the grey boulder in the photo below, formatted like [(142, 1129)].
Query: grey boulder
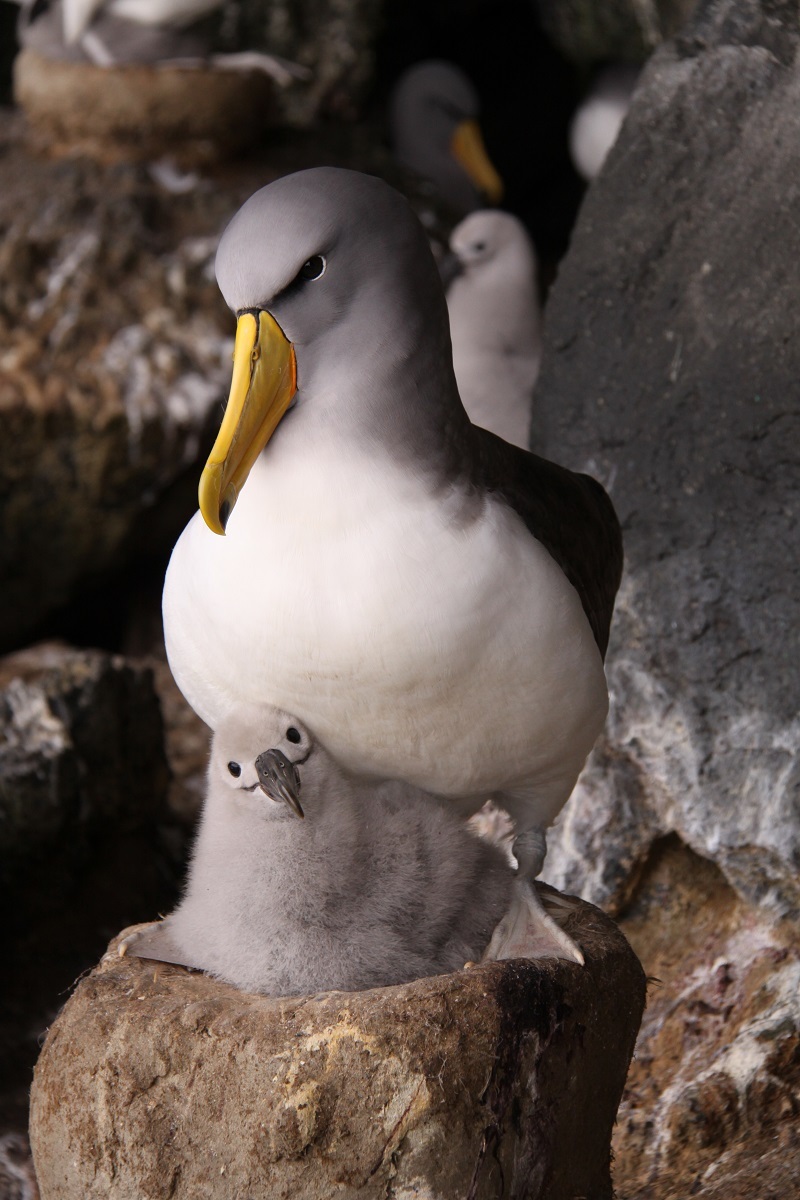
[(589, 31), (670, 370)]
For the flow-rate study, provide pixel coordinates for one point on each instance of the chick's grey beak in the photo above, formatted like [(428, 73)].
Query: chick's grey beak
[(279, 779)]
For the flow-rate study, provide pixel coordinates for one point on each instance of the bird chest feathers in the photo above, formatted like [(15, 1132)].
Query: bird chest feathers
[(349, 595)]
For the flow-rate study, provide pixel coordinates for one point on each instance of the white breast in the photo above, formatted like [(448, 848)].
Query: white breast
[(455, 656)]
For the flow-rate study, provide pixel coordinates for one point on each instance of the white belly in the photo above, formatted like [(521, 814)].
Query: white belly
[(415, 646)]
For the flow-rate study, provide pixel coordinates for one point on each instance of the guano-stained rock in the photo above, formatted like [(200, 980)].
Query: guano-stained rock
[(114, 361), (478, 1084)]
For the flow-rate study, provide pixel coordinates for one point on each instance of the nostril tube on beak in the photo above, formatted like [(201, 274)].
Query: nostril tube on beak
[(279, 779)]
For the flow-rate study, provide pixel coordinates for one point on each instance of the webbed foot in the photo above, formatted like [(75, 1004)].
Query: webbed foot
[(155, 941), (528, 931)]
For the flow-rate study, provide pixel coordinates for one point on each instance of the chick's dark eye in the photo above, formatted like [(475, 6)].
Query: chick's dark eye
[(294, 735), (312, 268), (234, 769), (479, 246)]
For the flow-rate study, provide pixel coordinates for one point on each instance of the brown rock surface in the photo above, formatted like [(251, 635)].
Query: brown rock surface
[(114, 347), (713, 1093), (157, 1082)]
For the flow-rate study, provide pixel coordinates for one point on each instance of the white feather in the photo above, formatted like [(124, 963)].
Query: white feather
[(78, 16)]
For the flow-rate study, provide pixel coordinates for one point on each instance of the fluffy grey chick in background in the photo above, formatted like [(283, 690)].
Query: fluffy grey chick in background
[(378, 884), (495, 322)]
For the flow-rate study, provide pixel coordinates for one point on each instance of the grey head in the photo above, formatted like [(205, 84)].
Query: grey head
[(341, 262), (434, 116), (256, 754), (333, 282)]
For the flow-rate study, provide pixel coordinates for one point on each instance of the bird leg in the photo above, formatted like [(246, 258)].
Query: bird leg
[(527, 930), (530, 851)]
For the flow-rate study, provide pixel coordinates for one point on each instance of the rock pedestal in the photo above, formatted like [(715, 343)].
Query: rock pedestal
[(500, 1080), (138, 112)]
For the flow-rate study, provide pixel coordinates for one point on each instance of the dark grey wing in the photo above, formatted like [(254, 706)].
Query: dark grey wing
[(569, 513)]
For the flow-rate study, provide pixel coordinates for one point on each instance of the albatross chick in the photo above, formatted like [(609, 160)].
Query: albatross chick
[(378, 884)]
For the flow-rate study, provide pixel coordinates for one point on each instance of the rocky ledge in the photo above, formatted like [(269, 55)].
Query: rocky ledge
[(155, 1081)]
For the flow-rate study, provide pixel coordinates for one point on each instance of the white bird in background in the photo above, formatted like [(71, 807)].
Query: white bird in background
[(79, 14), (598, 119), (111, 33), (434, 114), (379, 884), (433, 602), (495, 322)]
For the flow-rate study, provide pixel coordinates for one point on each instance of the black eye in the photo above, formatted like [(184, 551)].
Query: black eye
[(294, 735), (313, 268), (234, 769), (479, 246)]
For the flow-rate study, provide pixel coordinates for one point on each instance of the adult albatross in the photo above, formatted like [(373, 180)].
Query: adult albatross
[(431, 601)]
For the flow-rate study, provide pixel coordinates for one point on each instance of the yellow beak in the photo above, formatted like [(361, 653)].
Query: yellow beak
[(467, 148), (263, 384)]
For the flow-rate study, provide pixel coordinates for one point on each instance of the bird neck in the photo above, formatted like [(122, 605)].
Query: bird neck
[(393, 395)]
